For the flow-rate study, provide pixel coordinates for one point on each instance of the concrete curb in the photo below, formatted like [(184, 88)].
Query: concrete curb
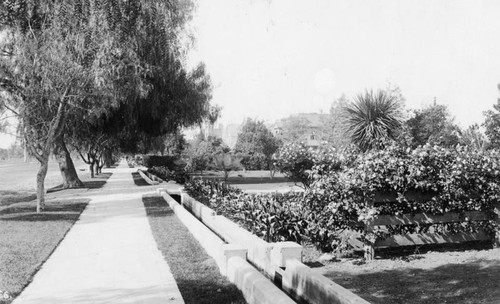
[(259, 251), (231, 259), (305, 284), (252, 283)]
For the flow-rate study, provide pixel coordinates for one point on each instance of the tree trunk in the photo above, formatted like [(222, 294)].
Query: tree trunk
[(108, 158), (25, 152), (40, 187), (91, 167), (98, 167), (66, 165)]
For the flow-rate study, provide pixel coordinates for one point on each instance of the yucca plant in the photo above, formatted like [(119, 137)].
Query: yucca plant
[(372, 118)]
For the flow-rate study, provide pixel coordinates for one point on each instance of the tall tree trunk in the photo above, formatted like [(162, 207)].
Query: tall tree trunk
[(91, 167), (40, 187), (66, 165)]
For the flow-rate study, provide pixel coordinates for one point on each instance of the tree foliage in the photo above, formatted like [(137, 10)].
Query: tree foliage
[(433, 125), (254, 139), (492, 125), (115, 69)]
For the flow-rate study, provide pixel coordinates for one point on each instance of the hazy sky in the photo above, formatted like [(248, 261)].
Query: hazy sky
[(269, 59), (272, 58)]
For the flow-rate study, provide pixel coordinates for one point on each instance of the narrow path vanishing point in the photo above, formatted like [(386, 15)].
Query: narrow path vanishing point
[(109, 256)]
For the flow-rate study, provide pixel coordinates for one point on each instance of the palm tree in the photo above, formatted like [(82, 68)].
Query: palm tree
[(372, 118)]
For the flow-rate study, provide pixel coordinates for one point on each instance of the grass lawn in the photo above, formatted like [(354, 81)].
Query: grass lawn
[(254, 180), (27, 239), (195, 272)]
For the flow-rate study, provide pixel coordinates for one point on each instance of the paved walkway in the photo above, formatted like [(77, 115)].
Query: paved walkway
[(109, 256)]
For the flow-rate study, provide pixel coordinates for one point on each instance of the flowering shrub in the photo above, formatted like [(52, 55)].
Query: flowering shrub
[(294, 160), (347, 190), (428, 179)]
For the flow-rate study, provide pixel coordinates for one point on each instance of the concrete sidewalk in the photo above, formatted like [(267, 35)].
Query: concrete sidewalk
[(109, 256)]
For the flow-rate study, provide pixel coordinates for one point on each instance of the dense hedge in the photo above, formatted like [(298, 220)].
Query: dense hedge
[(178, 175), (168, 161), (448, 180), (343, 185)]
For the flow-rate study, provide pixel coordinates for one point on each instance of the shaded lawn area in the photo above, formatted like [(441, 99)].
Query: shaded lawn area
[(195, 272), (9, 197), (138, 180), (472, 281), (28, 238)]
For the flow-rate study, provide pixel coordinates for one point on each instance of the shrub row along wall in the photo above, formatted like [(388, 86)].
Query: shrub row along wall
[(430, 189)]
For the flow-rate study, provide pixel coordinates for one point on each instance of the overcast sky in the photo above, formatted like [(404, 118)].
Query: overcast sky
[(272, 58)]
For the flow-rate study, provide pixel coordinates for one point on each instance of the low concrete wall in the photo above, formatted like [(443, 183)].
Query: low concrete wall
[(211, 242), (259, 251), (251, 282), (231, 259), (305, 284), (146, 178)]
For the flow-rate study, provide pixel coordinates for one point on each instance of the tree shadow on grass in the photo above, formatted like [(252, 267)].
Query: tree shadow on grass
[(99, 182), (54, 211), (156, 206), (138, 180), (474, 282), (95, 183), (8, 197)]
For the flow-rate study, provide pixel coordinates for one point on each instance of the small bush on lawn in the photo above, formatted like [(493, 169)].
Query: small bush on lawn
[(296, 161)]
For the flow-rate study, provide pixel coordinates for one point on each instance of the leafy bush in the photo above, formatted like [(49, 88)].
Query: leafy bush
[(151, 161), (295, 160), (428, 179), (271, 217)]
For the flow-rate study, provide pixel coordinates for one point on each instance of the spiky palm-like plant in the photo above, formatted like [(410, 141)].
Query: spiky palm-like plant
[(372, 118)]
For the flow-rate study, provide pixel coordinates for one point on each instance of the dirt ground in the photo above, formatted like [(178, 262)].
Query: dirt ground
[(470, 276)]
